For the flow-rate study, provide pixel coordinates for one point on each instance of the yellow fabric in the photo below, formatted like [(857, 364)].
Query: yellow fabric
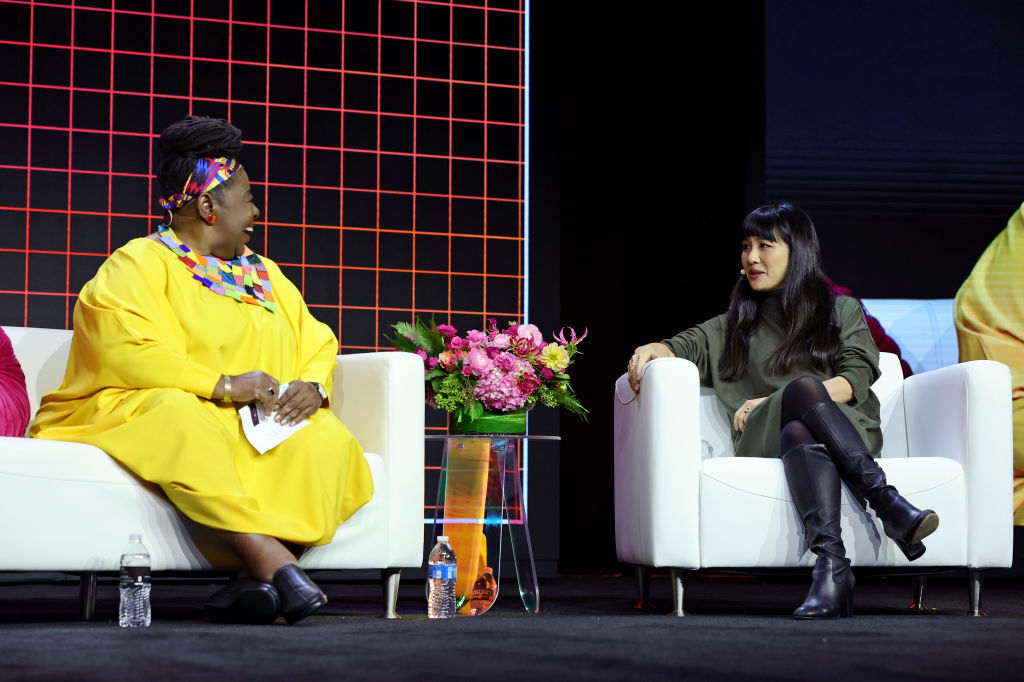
[(989, 316), (149, 347), (467, 478)]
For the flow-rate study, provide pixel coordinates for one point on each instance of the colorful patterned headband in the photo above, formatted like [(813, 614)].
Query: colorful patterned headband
[(208, 174)]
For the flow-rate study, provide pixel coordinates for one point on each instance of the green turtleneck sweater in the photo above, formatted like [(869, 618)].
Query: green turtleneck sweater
[(857, 361)]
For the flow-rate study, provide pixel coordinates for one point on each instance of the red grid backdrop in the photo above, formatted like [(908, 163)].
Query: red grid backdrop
[(385, 139)]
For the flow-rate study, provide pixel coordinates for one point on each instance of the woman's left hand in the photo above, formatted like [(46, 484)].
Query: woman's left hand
[(298, 402), (739, 420)]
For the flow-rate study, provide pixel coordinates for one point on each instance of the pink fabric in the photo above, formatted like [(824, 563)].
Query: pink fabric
[(14, 407)]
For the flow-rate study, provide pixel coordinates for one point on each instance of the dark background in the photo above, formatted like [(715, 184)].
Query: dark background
[(658, 127), (655, 127)]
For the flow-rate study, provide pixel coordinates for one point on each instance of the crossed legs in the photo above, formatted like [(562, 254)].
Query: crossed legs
[(806, 400), (818, 446)]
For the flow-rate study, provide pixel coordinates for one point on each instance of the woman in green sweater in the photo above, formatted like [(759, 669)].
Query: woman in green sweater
[(794, 364)]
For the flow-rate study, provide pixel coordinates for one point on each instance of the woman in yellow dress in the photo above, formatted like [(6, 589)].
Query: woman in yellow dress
[(989, 318), (172, 335)]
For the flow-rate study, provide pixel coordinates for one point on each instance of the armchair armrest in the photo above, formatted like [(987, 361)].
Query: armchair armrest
[(657, 466), (964, 412), (379, 397)]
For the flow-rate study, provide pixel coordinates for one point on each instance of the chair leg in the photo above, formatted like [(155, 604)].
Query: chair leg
[(643, 587), (919, 585), (87, 595), (678, 578), (975, 583), (389, 578)]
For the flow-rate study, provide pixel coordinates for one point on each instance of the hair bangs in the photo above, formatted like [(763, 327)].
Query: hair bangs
[(764, 226)]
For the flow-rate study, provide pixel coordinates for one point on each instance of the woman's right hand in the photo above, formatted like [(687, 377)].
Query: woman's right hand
[(643, 355), (257, 385)]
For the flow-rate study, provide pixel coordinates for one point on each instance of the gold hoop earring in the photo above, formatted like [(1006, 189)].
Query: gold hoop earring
[(170, 217)]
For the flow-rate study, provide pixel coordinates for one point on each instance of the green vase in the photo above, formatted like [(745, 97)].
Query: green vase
[(490, 422)]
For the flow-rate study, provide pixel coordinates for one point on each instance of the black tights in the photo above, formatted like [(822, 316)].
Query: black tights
[(799, 396)]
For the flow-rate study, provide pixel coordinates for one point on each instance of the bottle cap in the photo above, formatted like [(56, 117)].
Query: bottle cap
[(442, 538), (135, 537)]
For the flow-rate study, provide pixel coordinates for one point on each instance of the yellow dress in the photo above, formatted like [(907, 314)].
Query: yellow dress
[(989, 317), (149, 347)]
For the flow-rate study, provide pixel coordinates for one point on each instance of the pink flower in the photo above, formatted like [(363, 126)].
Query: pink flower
[(560, 336), (531, 332), (431, 363), (476, 337), (447, 330), (547, 374), (528, 383), (466, 370), (479, 362), (499, 391), (524, 348), (501, 341), (505, 362), (457, 342), (426, 361)]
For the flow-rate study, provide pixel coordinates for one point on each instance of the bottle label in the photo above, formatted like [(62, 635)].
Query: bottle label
[(139, 575), (441, 572)]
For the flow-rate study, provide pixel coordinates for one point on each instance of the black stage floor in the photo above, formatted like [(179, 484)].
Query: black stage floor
[(738, 628)]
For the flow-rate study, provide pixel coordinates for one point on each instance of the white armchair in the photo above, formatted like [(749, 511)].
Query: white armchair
[(70, 507), (684, 502)]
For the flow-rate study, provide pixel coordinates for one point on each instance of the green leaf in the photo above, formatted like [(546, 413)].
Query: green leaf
[(422, 336), (428, 337), (571, 403), (404, 328), (400, 342), (432, 373), (476, 410)]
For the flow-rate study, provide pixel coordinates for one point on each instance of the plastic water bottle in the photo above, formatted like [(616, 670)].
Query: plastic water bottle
[(441, 570), (485, 591), (135, 585)]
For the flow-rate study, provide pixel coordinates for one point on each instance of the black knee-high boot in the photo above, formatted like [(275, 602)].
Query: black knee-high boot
[(814, 484), (903, 522)]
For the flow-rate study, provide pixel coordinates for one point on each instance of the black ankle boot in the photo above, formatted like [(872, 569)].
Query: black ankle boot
[(814, 484), (905, 524), (831, 593), (244, 601), (299, 595)]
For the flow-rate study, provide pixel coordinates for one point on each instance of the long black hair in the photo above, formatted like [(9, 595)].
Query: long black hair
[(194, 137), (812, 335)]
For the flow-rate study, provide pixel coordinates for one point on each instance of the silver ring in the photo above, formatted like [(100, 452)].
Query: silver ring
[(746, 410)]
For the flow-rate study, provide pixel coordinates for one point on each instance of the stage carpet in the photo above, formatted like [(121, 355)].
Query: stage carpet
[(737, 628)]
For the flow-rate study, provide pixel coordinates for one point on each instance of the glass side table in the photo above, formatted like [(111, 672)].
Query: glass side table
[(479, 493)]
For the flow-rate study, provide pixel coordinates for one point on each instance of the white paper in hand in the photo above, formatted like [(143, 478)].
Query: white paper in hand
[(261, 430)]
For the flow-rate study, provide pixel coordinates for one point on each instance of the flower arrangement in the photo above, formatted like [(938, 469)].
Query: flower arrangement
[(494, 371)]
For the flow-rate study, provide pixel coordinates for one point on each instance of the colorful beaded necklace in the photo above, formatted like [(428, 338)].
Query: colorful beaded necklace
[(244, 278)]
